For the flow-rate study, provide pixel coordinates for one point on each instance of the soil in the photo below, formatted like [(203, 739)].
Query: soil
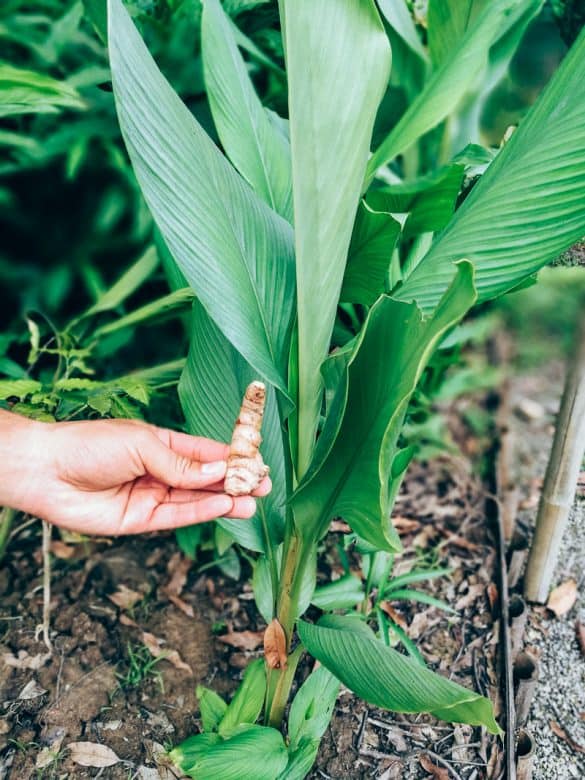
[(110, 598)]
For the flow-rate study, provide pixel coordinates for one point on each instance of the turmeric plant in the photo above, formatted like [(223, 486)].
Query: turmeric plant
[(376, 239)]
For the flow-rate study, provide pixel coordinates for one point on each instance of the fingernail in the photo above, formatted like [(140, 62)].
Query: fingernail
[(247, 506), (215, 469)]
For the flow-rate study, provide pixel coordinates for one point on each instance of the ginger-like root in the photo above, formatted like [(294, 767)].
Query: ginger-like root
[(245, 467)]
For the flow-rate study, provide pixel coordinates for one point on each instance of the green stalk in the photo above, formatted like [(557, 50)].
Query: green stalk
[(279, 684), (7, 516)]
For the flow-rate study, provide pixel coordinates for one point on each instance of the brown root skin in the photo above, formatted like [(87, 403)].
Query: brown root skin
[(245, 467)]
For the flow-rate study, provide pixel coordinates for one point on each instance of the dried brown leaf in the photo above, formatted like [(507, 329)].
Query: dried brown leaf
[(438, 772), (338, 526), (562, 598), (472, 595), (92, 754), (561, 733), (405, 525), (178, 567), (275, 645), (32, 690), (126, 621), (393, 614), (26, 661), (493, 595), (125, 597), (182, 605), (62, 550), (243, 640), (155, 646)]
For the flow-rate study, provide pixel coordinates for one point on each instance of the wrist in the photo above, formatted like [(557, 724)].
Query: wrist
[(23, 456)]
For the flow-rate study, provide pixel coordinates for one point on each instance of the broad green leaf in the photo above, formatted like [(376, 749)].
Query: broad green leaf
[(309, 716), (372, 242), (127, 284), (448, 22), (312, 707), (251, 753), (189, 538), (415, 575), (211, 390), (332, 107), (352, 470), (97, 11), (528, 206), (246, 705), (28, 92), (212, 707), (262, 587), (18, 388), (449, 83), (236, 253), (259, 152), (399, 683), (398, 17), (429, 201), (343, 593)]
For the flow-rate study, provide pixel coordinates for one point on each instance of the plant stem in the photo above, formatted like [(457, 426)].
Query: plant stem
[(7, 516), (279, 684)]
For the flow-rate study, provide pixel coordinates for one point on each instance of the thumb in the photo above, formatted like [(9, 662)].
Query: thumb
[(178, 471)]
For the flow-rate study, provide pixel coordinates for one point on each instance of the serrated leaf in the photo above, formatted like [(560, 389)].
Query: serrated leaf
[(18, 388), (399, 683)]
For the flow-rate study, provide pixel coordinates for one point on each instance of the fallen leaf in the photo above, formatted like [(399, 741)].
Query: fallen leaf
[(32, 690), (178, 567), (393, 614), (92, 754), (26, 661), (405, 525), (125, 597), (275, 646), (493, 595), (472, 595), (562, 598), (62, 550), (439, 773), (127, 621), (243, 640), (338, 526), (561, 733), (182, 605), (154, 645)]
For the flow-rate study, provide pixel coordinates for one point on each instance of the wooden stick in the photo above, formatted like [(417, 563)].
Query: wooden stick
[(560, 481)]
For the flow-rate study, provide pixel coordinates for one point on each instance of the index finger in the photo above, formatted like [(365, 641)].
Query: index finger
[(194, 447)]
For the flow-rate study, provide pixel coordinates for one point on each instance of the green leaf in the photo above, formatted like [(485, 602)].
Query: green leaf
[(28, 92), (176, 301), (310, 714), (211, 390), (18, 388), (372, 242), (332, 107), (312, 707), (528, 206), (246, 705), (448, 85), (351, 473), (236, 253), (398, 17), (262, 587), (415, 575), (127, 284), (344, 593), (259, 152), (447, 24), (189, 538), (251, 753), (429, 201), (212, 707), (399, 683)]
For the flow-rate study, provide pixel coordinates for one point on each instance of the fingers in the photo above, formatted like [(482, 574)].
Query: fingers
[(194, 447), (177, 470), (263, 488), (205, 507)]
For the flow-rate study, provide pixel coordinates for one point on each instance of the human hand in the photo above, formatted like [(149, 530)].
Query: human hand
[(115, 477)]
